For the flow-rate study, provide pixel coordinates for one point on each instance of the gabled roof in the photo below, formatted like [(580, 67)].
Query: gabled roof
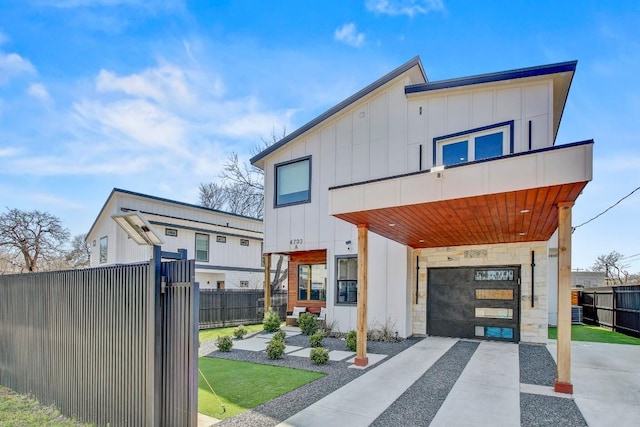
[(350, 100), (161, 199)]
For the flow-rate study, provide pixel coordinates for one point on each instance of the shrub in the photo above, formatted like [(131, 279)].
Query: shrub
[(240, 332), (315, 340), (319, 355), (275, 348), (351, 340), (271, 321), (224, 343), (328, 326), (308, 323), (280, 334)]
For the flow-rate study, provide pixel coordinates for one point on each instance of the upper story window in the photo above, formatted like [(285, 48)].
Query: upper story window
[(293, 182), (104, 248), (474, 144), (202, 247)]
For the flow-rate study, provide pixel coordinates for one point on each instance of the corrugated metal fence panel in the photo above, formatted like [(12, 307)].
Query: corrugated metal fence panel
[(180, 344), (84, 340), (76, 339), (231, 307)]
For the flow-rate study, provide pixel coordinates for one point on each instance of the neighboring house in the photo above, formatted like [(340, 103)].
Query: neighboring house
[(587, 279), (227, 247), (447, 193)]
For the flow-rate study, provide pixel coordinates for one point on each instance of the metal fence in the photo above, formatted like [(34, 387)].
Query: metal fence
[(615, 307), (108, 346), (232, 307)]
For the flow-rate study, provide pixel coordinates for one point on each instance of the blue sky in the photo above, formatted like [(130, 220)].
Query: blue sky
[(152, 96)]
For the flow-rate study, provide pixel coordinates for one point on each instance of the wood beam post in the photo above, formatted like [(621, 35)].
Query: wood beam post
[(563, 379), (361, 338), (267, 282)]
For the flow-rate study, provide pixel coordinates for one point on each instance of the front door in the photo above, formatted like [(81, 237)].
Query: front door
[(474, 302)]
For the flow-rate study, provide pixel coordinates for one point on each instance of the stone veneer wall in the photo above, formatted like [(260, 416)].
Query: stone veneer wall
[(533, 320)]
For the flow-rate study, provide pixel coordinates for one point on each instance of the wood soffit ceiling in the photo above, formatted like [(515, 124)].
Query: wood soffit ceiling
[(511, 217)]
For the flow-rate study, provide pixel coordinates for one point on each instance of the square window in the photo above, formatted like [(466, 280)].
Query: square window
[(171, 232), (244, 242), (457, 152), (202, 247), (293, 182), (487, 146), (347, 280), (221, 239)]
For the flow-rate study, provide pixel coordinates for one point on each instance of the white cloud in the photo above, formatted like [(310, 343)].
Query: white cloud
[(12, 64), (349, 34), (404, 7), (39, 91), (9, 151)]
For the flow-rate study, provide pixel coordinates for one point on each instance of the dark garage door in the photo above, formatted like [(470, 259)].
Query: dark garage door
[(474, 302)]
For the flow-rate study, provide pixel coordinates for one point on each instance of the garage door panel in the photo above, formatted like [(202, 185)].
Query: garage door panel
[(474, 302)]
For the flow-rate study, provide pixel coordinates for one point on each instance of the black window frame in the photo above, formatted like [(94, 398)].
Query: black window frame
[(208, 246), (275, 182), (338, 281)]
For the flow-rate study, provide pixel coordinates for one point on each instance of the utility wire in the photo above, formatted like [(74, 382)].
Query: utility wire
[(606, 210)]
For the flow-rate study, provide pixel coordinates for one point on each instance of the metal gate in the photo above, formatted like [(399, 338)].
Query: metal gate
[(474, 302)]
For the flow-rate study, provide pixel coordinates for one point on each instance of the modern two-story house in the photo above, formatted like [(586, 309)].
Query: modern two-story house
[(431, 207), (227, 248)]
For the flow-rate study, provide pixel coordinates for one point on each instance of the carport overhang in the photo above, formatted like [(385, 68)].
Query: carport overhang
[(521, 197)]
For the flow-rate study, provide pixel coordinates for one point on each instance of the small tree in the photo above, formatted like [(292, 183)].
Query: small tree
[(615, 272), (32, 235)]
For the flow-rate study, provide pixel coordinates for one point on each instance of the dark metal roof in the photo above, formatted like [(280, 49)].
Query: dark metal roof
[(494, 77), (330, 112)]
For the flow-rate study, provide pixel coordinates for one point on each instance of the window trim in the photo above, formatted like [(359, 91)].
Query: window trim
[(221, 239), (171, 232), (244, 242), (106, 250), (208, 246), (275, 182), (469, 135), (346, 304)]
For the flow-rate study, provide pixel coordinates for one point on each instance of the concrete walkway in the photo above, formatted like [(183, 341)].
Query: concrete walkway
[(606, 380)]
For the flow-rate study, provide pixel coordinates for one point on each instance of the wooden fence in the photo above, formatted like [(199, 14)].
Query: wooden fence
[(617, 308), (232, 307)]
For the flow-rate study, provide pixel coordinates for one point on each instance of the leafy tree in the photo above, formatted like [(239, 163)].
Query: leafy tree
[(33, 235), (613, 266), (241, 191)]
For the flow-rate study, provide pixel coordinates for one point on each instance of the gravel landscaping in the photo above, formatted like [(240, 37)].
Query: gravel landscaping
[(282, 407)]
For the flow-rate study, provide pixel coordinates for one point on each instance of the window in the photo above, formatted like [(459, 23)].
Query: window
[(347, 280), (172, 232), (293, 182), (244, 283), (244, 242), (202, 247), (221, 239), (312, 282), (104, 246), (475, 144)]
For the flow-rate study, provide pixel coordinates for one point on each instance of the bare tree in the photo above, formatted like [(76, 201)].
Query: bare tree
[(34, 235), (80, 254), (614, 268), (242, 192)]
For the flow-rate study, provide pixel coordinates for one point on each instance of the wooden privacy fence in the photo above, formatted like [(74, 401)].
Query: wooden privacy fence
[(232, 307), (615, 307), (108, 346)]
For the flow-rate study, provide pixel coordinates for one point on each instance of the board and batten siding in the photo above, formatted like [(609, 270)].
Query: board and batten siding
[(380, 136)]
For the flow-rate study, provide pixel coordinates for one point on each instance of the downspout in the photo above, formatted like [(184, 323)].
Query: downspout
[(417, 276), (533, 276)]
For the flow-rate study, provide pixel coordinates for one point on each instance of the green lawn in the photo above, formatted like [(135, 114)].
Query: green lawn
[(21, 410), (243, 385), (595, 334), (212, 334)]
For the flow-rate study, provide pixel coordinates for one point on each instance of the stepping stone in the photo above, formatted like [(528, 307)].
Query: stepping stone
[(340, 354), (252, 344)]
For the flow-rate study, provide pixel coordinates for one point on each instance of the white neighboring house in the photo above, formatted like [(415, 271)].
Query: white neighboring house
[(459, 186), (227, 247)]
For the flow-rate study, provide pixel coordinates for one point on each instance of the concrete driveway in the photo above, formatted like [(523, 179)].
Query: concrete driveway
[(606, 382)]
